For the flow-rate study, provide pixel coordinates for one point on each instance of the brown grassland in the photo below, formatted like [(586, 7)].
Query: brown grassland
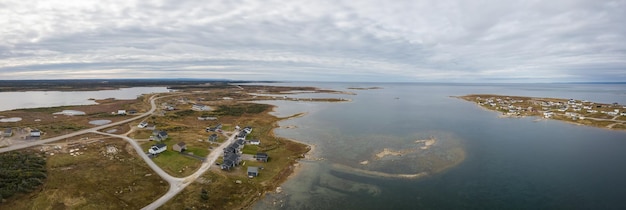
[(96, 179)]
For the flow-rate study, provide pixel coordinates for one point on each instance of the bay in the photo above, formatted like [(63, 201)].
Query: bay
[(507, 163)]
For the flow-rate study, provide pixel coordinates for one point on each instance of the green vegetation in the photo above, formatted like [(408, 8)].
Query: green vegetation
[(250, 149), (176, 164), (20, 173), (202, 152), (241, 109)]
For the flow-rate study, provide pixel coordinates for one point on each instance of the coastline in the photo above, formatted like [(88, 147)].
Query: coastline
[(293, 168)]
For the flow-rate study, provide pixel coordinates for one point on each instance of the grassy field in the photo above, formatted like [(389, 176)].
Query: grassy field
[(94, 180)]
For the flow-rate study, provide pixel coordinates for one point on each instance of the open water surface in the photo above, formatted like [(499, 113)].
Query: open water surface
[(507, 163)]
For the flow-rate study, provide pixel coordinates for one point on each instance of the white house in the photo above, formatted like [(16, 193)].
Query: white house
[(548, 114), (35, 133), (158, 148), (255, 142), (247, 129), (142, 125), (121, 112)]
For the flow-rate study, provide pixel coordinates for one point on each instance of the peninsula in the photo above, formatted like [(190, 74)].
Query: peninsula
[(581, 112), (203, 146)]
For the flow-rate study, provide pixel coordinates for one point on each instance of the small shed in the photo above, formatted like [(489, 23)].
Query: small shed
[(213, 138), (35, 133), (263, 157), (8, 132), (253, 171), (255, 142), (180, 147)]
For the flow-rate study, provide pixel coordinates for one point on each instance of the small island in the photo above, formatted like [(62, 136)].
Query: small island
[(581, 112)]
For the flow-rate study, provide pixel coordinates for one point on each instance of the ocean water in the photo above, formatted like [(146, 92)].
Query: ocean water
[(480, 161)]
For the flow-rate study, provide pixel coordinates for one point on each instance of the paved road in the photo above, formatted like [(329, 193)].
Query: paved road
[(181, 183)]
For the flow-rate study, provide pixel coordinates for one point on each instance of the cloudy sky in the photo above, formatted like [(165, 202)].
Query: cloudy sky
[(320, 40)]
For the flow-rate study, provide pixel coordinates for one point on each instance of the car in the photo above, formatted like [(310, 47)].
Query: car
[(142, 125)]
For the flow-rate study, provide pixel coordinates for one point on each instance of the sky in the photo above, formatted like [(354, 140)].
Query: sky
[(320, 40)]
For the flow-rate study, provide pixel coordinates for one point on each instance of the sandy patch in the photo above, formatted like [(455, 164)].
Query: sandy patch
[(427, 142), (387, 152), (361, 172)]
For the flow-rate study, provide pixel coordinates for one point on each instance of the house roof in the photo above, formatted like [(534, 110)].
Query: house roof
[(160, 145), (181, 144), (261, 155), (162, 133), (253, 169), (254, 140)]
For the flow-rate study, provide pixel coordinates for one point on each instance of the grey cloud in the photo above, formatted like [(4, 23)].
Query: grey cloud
[(319, 40)]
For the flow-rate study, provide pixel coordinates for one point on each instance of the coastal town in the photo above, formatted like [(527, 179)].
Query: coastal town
[(578, 111), (195, 148)]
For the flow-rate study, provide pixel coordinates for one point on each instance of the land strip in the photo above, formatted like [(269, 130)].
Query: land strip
[(577, 111)]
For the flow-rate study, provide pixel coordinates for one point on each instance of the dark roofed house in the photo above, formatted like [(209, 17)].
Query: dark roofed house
[(159, 135), (231, 149), (240, 143), (230, 161), (227, 165), (213, 138), (242, 135), (263, 157), (180, 147), (253, 171)]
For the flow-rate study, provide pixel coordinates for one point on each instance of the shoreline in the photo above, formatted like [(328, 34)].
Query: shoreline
[(292, 169)]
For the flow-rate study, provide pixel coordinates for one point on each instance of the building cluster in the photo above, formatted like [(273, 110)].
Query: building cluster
[(232, 153), (570, 108), (32, 134), (505, 104)]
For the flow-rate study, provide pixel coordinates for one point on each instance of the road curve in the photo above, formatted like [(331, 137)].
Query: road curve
[(45, 141), (176, 184), (176, 187)]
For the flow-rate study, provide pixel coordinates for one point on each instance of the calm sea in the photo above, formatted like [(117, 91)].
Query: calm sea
[(504, 163)]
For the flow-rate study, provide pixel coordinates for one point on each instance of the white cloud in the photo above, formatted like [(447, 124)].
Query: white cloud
[(316, 40)]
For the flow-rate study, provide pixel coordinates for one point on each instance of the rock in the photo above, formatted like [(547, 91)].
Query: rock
[(279, 189), (238, 182)]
